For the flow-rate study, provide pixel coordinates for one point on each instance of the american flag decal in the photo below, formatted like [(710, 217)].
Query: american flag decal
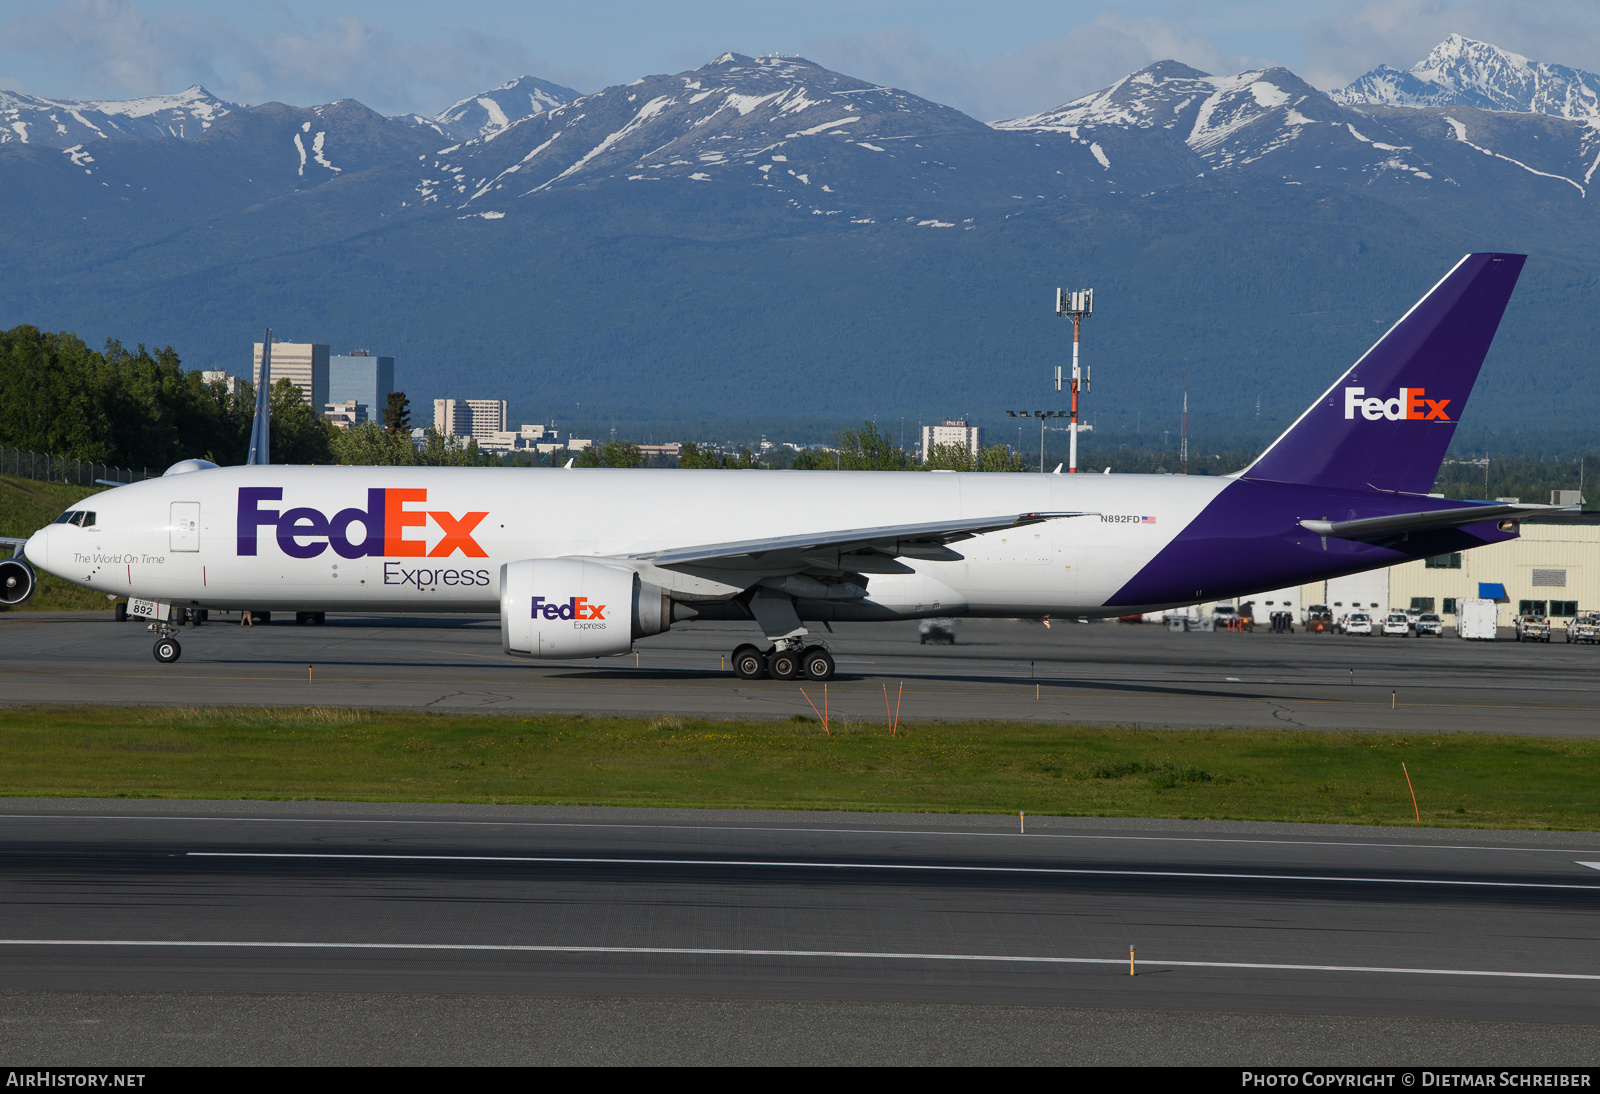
[(1147, 520)]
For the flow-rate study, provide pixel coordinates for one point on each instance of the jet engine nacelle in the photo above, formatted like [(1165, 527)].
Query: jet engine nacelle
[(569, 607), (16, 581)]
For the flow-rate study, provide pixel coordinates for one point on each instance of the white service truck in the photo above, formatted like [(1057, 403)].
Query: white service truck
[(1585, 627), (1475, 618)]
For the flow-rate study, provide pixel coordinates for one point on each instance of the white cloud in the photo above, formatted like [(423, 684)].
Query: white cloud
[(1361, 36), (113, 49), (1027, 80)]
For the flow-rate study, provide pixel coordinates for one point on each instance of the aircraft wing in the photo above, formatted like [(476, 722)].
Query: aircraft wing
[(887, 541), (1434, 520)]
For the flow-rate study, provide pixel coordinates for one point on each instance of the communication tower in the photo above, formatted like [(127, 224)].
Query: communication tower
[(1078, 306)]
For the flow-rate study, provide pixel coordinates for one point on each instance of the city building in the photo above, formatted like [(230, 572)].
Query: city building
[(479, 419), (303, 364), (346, 414), (363, 378), (531, 438), (220, 376), (963, 433)]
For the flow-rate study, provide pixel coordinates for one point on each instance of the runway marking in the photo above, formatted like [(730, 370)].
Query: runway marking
[(1591, 865), (803, 831), (708, 951), (906, 866)]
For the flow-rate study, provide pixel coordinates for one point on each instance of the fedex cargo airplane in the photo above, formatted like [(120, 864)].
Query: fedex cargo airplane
[(581, 563)]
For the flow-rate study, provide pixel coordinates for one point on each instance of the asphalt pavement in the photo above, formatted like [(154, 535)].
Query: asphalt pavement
[(246, 932), (1101, 673), (218, 931)]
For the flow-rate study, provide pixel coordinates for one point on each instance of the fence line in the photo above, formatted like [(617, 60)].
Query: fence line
[(44, 467)]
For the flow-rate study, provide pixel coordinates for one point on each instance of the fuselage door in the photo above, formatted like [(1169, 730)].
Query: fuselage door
[(185, 526)]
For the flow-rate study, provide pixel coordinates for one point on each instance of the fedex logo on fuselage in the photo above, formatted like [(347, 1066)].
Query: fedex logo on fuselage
[(1408, 404), (304, 532), (577, 607)]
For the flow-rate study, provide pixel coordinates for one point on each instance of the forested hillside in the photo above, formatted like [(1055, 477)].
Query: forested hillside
[(136, 408)]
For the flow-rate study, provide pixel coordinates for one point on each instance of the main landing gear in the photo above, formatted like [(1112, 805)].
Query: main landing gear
[(788, 662)]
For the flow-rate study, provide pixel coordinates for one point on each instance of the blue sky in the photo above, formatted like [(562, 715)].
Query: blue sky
[(993, 60)]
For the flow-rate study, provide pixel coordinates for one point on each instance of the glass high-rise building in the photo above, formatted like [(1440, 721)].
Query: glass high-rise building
[(360, 376)]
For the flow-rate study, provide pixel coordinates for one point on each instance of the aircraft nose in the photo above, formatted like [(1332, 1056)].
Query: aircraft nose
[(37, 549)]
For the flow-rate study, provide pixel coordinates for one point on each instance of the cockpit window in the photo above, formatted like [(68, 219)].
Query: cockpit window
[(81, 517)]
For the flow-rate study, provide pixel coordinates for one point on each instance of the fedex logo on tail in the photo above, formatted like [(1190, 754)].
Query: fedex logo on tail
[(1410, 403), (303, 532)]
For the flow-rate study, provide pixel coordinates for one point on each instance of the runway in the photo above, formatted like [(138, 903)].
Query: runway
[(1238, 929), (241, 932), (1103, 673)]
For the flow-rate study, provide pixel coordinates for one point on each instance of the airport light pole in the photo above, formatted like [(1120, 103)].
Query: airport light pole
[(1041, 415), (1077, 306)]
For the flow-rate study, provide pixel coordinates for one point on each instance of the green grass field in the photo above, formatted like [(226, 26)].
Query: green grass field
[(25, 507), (1461, 779)]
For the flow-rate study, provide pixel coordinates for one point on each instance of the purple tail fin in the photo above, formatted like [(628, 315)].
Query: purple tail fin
[(1385, 424)]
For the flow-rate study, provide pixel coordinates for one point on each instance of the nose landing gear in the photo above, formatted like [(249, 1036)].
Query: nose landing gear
[(167, 649)]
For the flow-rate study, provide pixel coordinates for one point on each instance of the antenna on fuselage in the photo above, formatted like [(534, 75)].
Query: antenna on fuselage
[(260, 428)]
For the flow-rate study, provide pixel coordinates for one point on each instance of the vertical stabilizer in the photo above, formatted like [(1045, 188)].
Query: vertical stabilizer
[(1385, 424), (260, 427)]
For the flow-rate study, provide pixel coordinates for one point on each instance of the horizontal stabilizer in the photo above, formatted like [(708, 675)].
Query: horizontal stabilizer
[(1586, 516), (890, 540), (1432, 520)]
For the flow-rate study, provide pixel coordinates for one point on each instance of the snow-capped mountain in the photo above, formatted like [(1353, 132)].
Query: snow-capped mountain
[(1270, 123), (301, 147), (486, 114), (773, 123), (62, 123), (1249, 120), (1462, 71), (725, 187)]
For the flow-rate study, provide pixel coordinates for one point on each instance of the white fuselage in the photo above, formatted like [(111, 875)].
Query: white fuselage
[(179, 538)]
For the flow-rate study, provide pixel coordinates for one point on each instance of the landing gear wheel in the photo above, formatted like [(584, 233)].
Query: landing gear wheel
[(302, 618), (319, 618), (783, 665), (748, 663), (167, 650), (816, 663), (120, 612)]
